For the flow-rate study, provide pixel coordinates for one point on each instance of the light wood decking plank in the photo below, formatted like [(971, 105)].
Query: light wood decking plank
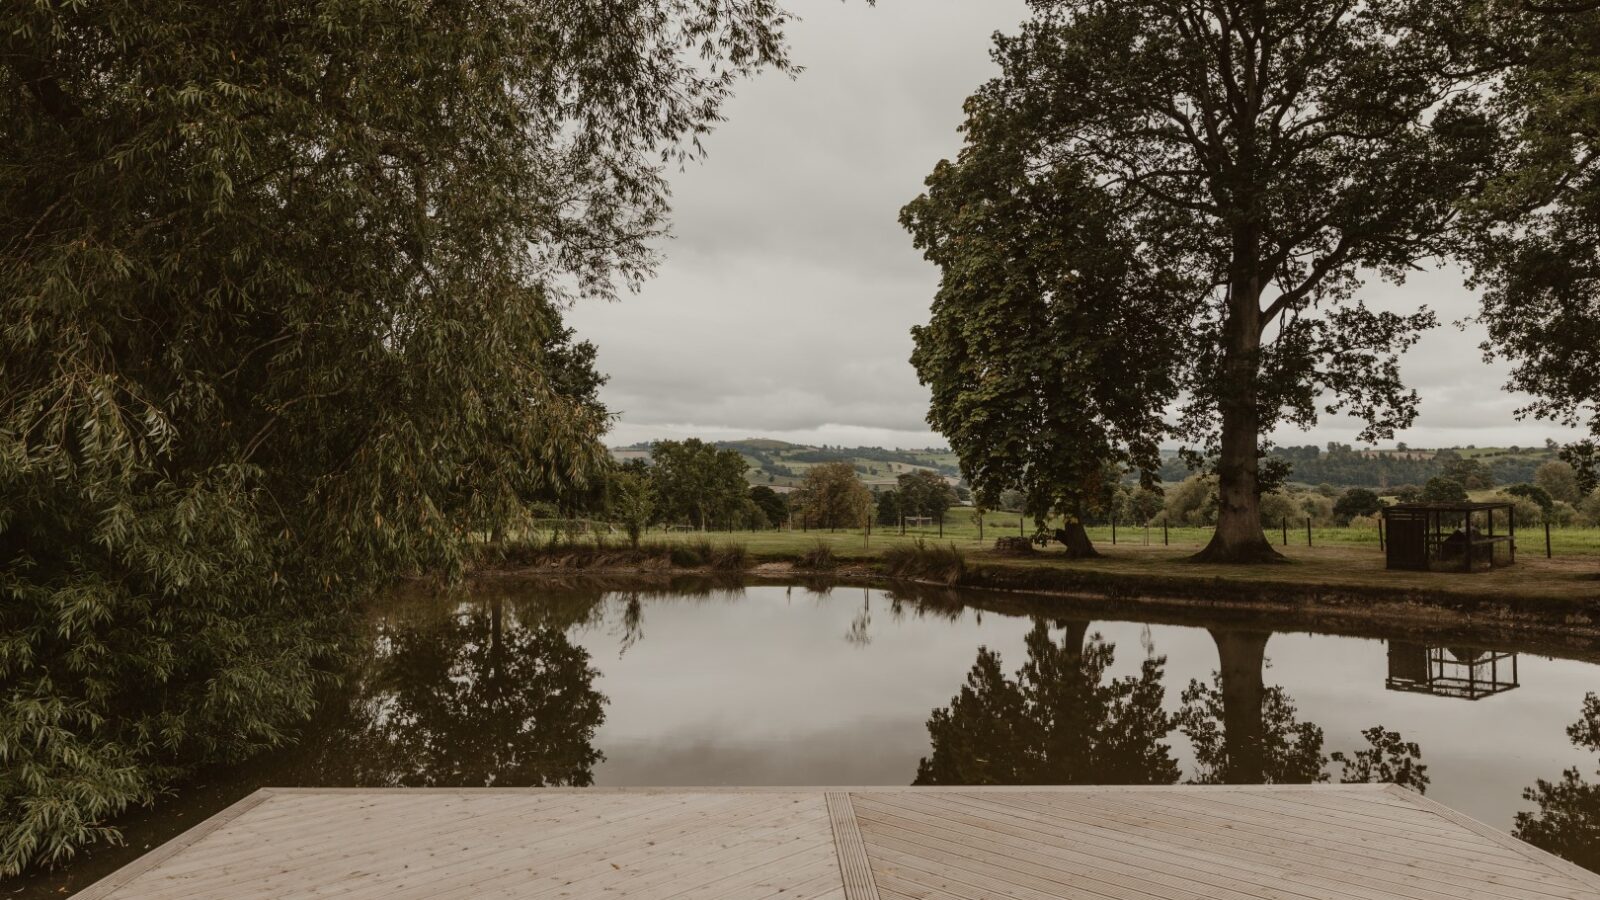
[(1291, 842)]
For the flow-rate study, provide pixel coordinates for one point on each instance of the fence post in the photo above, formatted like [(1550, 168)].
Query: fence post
[(1286, 531), (1113, 531), (1164, 540), (1308, 531), (1548, 554)]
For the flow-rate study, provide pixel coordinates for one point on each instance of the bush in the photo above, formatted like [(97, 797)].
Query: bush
[(921, 560), (1533, 492), (1277, 506), (1443, 490), (1563, 515), (1589, 510), (1318, 507), (1526, 511), (1193, 501), (1356, 502)]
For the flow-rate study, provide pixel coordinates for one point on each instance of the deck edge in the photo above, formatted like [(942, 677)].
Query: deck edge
[(1504, 839), (110, 884)]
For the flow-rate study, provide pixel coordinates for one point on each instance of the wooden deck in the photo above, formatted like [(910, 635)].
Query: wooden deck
[(1179, 843)]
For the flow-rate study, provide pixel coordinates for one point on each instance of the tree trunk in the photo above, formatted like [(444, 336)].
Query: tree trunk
[(1239, 538), (1242, 656), (1076, 540)]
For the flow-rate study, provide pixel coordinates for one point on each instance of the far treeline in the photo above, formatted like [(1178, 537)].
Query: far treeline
[(693, 484)]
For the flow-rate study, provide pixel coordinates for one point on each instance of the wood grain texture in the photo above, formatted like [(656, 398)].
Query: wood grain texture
[(854, 866), (1031, 843)]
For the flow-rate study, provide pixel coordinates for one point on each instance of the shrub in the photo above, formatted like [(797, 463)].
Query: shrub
[(1193, 501), (1526, 511), (1443, 490), (1533, 492), (1356, 502), (1277, 506), (1589, 510), (1318, 507)]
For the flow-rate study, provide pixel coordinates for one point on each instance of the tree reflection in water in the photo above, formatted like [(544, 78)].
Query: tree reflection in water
[(1243, 731), (1568, 821), (1058, 722), (471, 697), (1246, 732)]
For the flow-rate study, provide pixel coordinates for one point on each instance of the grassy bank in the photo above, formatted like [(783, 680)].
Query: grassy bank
[(1565, 542), (1339, 561)]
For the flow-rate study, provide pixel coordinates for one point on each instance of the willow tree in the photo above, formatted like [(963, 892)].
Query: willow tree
[(280, 292), (1258, 160)]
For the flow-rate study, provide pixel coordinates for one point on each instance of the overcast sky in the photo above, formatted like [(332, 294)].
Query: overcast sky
[(785, 302)]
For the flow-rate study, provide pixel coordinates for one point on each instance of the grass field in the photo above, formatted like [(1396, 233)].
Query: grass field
[(961, 531), (1338, 558)]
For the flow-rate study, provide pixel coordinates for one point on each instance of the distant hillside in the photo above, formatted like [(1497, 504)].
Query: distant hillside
[(782, 464)]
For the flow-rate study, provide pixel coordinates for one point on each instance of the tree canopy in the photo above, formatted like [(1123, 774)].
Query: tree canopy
[(831, 496), (280, 293), (926, 494), (1537, 253), (1256, 162), (696, 482)]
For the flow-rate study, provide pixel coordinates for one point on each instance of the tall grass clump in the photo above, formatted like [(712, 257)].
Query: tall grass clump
[(927, 562), (819, 557)]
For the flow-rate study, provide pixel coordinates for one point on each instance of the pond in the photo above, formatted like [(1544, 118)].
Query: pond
[(530, 683)]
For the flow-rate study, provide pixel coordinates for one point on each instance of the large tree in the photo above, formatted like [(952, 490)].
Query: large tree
[(1043, 293), (1259, 159), (832, 496), (925, 493), (697, 482), (279, 321)]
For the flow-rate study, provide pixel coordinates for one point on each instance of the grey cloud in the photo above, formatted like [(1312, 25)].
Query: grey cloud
[(787, 295)]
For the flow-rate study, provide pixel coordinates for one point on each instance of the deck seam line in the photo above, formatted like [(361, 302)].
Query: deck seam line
[(854, 866)]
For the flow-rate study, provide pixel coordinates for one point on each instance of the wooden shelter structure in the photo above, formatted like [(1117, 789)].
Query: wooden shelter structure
[(1450, 537)]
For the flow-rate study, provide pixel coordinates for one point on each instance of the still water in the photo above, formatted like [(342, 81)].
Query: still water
[(522, 683)]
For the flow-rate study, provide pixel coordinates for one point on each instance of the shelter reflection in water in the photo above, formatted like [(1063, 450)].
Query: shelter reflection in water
[(1463, 673)]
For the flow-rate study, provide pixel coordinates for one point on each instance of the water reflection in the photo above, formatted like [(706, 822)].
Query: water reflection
[(702, 683), (474, 695), (1464, 673), (1059, 721), (1567, 822)]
